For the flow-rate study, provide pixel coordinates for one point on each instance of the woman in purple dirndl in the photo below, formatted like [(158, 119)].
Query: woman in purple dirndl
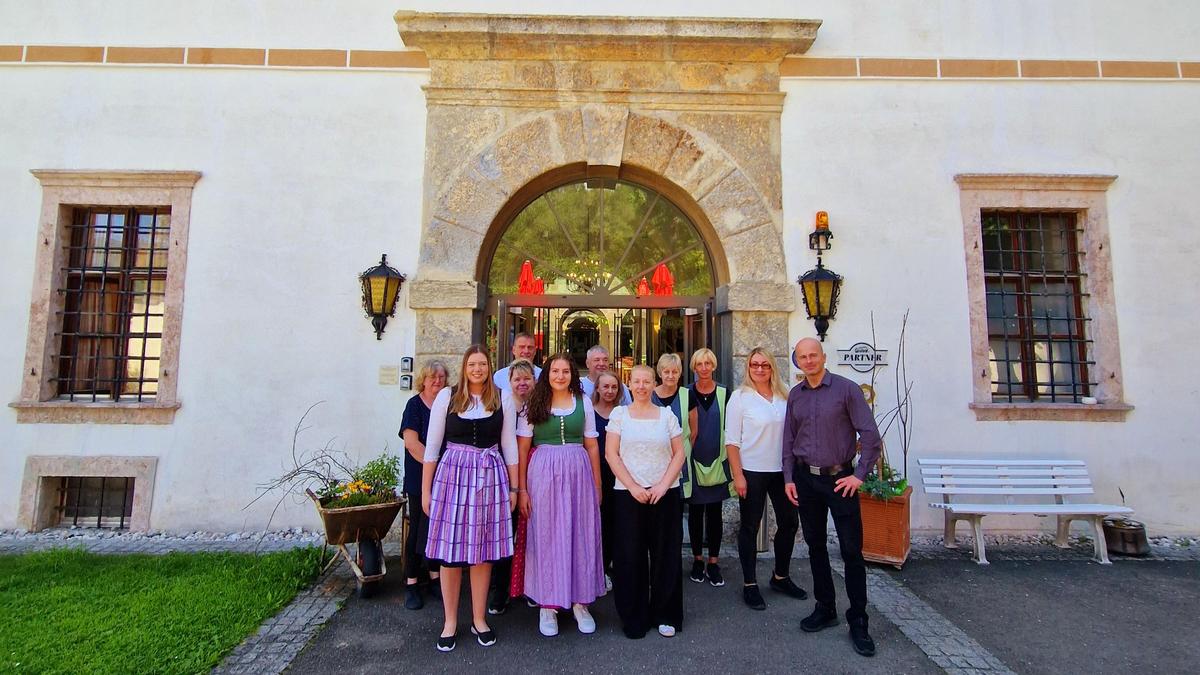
[(560, 494), (469, 493)]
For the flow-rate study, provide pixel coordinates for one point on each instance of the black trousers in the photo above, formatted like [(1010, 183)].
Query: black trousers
[(418, 536), (501, 579), (647, 570), (704, 525), (761, 485), (607, 480), (817, 501)]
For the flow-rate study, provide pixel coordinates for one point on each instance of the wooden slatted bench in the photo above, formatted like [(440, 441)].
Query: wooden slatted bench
[(1006, 479)]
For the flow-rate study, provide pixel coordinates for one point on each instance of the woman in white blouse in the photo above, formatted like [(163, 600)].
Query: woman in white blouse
[(644, 447), (754, 440), (471, 491)]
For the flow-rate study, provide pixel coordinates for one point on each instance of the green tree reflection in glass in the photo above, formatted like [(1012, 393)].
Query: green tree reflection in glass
[(601, 241)]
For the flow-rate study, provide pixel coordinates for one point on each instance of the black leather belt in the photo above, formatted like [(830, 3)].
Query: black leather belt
[(826, 470)]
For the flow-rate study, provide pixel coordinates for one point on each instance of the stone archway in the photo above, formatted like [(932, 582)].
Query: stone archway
[(696, 105)]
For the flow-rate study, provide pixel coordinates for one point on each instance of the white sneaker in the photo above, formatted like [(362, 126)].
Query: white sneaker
[(548, 622), (666, 631), (587, 624)]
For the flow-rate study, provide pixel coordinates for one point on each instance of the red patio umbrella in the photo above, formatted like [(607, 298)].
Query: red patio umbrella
[(525, 278), (539, 287), (664, 281), (643, 287)]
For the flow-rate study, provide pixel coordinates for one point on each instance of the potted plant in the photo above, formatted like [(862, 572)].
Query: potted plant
[(884, 497), (357, 503)]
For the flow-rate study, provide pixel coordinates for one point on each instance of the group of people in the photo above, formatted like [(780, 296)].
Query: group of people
[(556, 488)]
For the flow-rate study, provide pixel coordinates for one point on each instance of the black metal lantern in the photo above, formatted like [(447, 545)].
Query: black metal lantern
[(818, 239), (821, 287), (380, 287)]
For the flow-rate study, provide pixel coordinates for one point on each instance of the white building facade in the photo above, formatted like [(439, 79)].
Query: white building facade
[(974, 159)]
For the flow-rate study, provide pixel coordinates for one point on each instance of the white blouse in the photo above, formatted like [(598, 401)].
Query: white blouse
[(645, 445), (525, 429), (437, 424), (755, 425)]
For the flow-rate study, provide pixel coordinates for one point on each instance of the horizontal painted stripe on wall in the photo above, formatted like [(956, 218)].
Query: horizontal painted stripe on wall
[(976, 69), (793, 66), (215, 56)]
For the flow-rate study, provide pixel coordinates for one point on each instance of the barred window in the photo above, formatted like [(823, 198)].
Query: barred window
[(114, 293), (1035, 288), (95, 501)]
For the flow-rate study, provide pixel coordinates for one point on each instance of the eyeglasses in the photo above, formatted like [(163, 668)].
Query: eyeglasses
[(761, 365)]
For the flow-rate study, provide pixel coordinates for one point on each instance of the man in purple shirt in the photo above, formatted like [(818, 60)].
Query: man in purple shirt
[(827, 417)]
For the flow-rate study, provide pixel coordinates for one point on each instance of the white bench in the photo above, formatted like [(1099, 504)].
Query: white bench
[(1009, 478)]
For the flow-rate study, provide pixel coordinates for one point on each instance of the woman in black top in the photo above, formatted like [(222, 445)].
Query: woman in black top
[(413, 427)]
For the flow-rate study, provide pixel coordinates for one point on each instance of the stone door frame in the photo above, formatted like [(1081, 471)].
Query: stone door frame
[(688, 107)]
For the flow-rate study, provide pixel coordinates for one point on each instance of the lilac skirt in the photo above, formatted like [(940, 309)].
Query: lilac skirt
[(469, 518), (563, 562)]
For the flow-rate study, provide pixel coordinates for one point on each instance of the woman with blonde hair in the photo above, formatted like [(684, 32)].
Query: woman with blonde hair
[(645, 450), (754, 438), (469, 495), (608, 394), (508, 575), (706, 475), (414, 427)]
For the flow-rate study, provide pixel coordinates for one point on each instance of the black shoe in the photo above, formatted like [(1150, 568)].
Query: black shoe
[(485, 638), (497, 602), (860, 638), (435, 587), (412, 597), (788, 587), (697, 574), (754, 599), (820, 619), (713, 572), (446, 644)]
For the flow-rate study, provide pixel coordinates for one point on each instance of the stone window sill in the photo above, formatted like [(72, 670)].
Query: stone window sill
[(74, 412), (1051, 412)]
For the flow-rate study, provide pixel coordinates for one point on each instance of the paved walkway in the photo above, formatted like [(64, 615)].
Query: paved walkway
[(1036, 609)]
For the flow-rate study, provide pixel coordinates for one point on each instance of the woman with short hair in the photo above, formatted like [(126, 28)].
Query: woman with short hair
[(468, 494), (707, 481), (645, 450), (753, 437), (414, 426)]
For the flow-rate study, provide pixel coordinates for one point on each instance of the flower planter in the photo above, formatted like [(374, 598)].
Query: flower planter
[(886, 531), (365, 526)]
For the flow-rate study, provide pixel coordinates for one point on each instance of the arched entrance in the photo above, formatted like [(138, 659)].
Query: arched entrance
[(611, 262)]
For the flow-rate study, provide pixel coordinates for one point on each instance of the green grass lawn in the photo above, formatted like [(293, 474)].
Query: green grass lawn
[(70, 611)]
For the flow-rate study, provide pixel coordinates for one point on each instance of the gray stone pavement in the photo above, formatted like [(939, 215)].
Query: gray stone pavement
[(1055, 616), (719, 634)]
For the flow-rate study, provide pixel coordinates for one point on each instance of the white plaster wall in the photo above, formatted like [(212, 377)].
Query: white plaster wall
[(308, 177), (1109, 29), (310, 174), (880, 157)]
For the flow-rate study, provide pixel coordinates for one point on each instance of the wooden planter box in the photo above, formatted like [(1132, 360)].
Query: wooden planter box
[(886, 528)]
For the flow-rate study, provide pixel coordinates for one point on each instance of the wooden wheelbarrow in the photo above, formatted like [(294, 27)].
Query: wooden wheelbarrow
[(365, 526)]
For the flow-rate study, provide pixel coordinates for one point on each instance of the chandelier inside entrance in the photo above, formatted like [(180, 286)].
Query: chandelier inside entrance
[(622, 240)]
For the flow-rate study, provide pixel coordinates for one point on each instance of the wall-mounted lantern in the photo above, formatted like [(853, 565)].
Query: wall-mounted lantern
[(821, 286), (380, 288)]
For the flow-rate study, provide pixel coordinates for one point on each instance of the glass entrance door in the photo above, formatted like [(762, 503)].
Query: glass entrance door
[(632, 335)]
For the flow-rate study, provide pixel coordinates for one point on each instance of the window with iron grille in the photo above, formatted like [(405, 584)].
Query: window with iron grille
[(110, 344), (1035, 287), (94, 501)]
